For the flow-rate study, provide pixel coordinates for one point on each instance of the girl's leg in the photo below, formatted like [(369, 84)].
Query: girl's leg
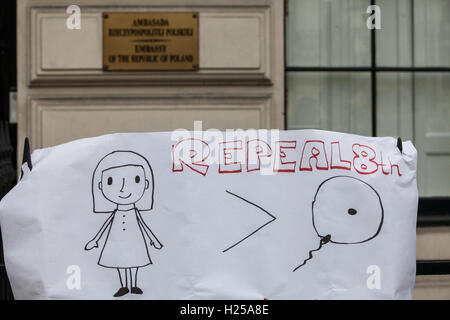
[(123, 283), (133, 280), (123, 277), (134, 272)]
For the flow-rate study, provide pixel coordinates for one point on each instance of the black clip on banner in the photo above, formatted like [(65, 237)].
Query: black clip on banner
[(400, 144), (26, 156)]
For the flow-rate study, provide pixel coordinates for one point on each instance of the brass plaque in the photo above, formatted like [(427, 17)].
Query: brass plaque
[(150, 41)]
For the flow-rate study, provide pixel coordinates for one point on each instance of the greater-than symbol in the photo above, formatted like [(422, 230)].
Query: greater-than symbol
[(273, 218)]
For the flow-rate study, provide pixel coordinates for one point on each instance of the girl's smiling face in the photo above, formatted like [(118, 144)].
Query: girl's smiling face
[(124, 185)]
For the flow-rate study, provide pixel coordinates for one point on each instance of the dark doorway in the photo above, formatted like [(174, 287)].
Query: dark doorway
[(8, 129)]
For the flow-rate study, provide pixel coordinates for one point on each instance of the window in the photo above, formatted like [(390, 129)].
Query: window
[(390, 82)]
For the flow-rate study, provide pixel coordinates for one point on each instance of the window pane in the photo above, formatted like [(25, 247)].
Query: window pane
[(394, 42), (395, 105), (431, 32), (432, 132), (329, 101), (422, 116), (327, 33), (431, 29)]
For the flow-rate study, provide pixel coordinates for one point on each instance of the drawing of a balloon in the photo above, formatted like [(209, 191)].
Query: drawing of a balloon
[(345, 210)]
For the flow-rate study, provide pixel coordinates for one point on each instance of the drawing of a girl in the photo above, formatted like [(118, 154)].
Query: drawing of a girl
[(122, 185)]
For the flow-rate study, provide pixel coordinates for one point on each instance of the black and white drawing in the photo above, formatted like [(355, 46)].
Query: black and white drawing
[(272, 218), (123, 185), (345, 210)]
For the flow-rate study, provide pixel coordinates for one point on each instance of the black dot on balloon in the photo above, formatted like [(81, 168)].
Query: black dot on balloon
[(352, 211)]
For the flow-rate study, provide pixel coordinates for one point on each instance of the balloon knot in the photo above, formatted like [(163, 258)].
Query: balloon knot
[(325, 239)]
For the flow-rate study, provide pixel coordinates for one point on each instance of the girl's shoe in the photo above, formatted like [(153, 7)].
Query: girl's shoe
[(122, 291), (136, 290)]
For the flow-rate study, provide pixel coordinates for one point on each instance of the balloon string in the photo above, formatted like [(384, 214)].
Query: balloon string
[(323, 240)]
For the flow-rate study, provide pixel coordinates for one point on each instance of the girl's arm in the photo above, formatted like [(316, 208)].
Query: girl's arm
[(94, 242), (151, 236)]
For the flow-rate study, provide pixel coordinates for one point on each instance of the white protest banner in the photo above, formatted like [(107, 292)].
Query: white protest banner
[(261, 214)]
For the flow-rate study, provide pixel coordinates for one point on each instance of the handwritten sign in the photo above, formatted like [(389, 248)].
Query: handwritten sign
[(254, 214), (150, 41)]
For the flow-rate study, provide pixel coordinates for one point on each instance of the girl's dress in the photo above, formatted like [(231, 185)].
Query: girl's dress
[(125, 245)]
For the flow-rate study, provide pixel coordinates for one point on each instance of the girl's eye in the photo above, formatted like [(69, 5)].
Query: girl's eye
[(137, 179), (109, 181)]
